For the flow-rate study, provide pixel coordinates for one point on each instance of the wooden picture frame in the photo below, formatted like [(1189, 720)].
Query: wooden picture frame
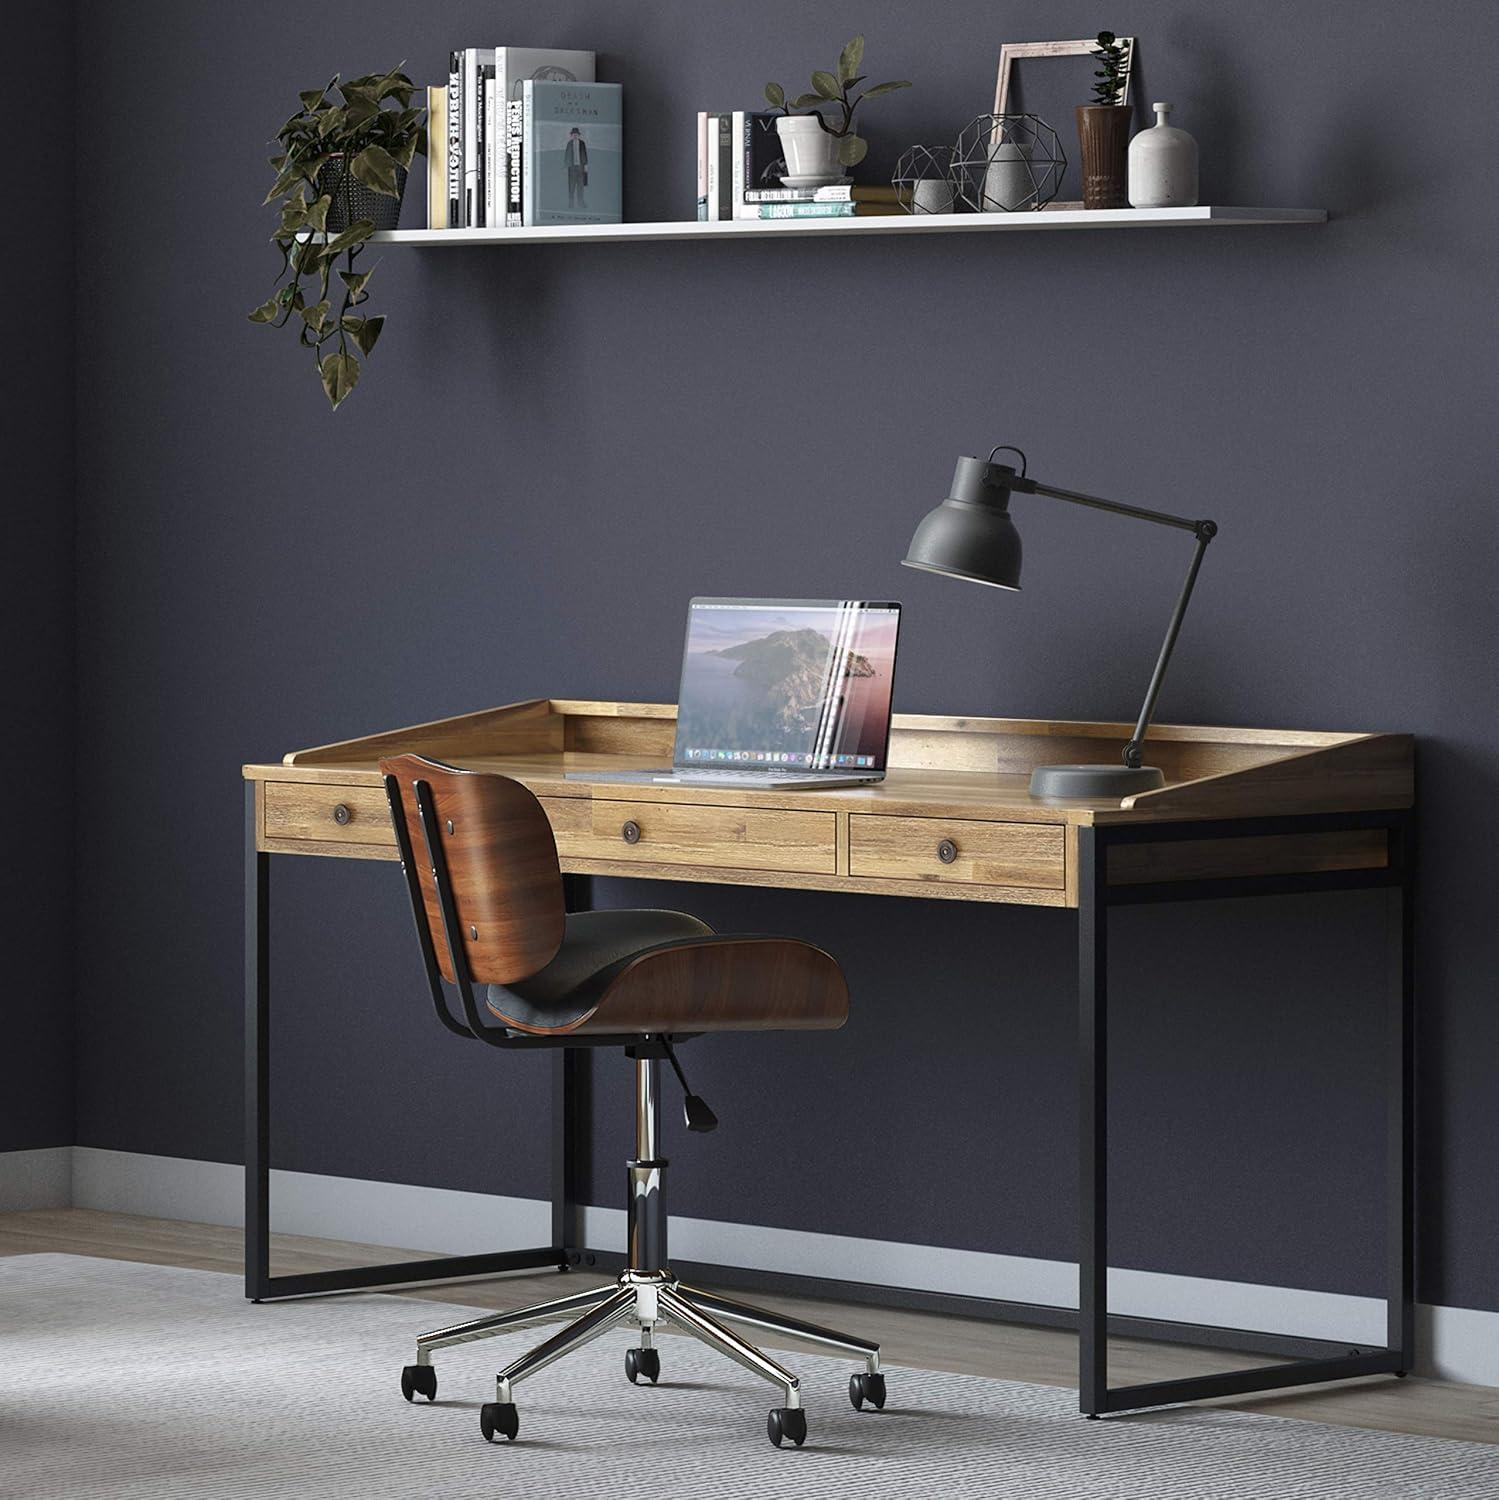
[(1011, 52)]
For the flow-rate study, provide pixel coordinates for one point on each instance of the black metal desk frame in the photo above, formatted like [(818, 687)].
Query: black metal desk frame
[(1304, 1361)]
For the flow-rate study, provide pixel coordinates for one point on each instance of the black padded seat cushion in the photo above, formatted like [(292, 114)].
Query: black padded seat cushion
[(593, 944)]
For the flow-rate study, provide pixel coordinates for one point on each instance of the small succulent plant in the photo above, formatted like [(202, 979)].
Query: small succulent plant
[(833, 90), (1112, 55)]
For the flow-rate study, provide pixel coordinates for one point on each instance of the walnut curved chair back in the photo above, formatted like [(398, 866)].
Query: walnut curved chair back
[(501, 862)]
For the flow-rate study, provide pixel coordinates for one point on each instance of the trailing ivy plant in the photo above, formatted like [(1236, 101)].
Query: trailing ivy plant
[(1112, 74), (833, 90), (361, 133)]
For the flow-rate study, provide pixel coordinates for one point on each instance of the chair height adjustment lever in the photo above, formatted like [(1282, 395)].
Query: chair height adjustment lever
[(695, 1111)]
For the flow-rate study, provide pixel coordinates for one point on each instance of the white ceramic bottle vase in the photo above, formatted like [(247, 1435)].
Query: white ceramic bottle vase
[(1162, 165)]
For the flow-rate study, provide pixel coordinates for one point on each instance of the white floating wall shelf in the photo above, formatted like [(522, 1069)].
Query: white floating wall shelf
[(1203, 217)]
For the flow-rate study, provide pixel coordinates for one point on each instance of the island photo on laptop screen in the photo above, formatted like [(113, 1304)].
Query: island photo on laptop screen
[(804, 685)]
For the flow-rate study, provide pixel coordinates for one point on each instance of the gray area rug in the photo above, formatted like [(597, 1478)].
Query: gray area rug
[(126, 1380)]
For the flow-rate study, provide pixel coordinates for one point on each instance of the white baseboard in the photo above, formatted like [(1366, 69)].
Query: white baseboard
[(1456, 1343), (36, 1179)]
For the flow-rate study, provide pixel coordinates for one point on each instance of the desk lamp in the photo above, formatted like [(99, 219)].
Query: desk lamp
[(970, 535)]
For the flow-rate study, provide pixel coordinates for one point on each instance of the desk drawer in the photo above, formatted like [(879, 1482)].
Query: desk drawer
[(957, 851), (663, 833), (327, 814)]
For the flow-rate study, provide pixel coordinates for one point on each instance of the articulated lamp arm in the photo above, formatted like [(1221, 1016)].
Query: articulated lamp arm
[(1204, 531)]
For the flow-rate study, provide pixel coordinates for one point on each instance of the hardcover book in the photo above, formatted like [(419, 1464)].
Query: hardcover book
[(512, 67), (702, 165), (573, 171), (478, 63), (826, 210), (758, 159), (455, 142), (437, 157)]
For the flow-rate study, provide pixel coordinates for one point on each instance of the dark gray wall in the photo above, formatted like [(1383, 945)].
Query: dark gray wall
[(555, 447), (36, 597)]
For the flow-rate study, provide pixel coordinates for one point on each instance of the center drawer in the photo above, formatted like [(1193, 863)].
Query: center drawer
[(664, 833), (957, 850)]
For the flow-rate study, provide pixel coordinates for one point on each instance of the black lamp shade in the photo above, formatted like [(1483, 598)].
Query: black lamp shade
[(970, 535)]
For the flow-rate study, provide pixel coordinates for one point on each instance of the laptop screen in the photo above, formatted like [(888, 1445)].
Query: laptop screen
[(786, 685)]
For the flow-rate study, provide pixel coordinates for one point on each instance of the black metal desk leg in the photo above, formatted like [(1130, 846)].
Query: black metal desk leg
[(572, 1078), (1093, 1115), (1400, 1198), (257, 1059)]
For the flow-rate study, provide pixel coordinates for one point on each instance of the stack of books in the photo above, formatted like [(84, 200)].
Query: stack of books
[(739, 167), (531, 138), (852, 200)]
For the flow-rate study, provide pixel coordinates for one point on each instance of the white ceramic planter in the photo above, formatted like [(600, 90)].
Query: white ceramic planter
[(1162, 165), (811, 152)]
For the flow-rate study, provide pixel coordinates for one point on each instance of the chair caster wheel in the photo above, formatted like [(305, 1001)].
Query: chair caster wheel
[(644, 1363), (419, 1380), (870, 1388), (786, 1424), (501, 1417)]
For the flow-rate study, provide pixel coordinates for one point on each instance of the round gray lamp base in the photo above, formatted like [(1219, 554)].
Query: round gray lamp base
[(1094, 781)]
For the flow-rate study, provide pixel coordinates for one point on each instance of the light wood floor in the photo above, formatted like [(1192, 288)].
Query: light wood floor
[(924, 1340)]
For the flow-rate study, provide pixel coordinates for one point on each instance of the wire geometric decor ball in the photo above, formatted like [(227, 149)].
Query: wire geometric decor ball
[(1007, 163), (923, 180)]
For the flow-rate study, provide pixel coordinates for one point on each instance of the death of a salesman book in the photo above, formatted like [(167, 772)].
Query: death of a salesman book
[(574, 153)]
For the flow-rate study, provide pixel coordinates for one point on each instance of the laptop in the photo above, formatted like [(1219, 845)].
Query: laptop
[(781, 693)]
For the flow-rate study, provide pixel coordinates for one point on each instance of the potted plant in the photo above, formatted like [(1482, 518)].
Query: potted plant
[(816, 150), (340, 173), (1103, 126)]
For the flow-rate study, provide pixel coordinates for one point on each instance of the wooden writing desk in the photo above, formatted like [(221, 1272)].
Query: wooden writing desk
[(1244, 812)]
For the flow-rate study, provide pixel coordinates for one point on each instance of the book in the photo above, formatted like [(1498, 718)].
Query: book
[(856, 192), (860, 192), (827, 210), (702, 165), (476, 61), (494, 185), (455, 141), (715, 161), (573, 145), (721, 166), (758, 159), (512, 66), (513, 119), (437, 157)]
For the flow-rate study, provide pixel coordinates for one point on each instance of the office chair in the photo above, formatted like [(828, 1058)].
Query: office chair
[(486, 890)]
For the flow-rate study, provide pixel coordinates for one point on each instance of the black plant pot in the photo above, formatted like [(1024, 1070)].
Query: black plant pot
[(352, 200)]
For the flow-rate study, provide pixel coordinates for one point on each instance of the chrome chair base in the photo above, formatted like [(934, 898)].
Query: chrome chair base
[(648, 1299)]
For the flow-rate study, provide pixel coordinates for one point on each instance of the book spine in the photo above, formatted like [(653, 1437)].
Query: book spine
[(807, 210), (856, 192), (726, 166), (471, 136), (492, 184), (713, 167), (702, 165), (739, 167), (528, 138), (781, 195), (514, 144), (437, 157), (455, 141)]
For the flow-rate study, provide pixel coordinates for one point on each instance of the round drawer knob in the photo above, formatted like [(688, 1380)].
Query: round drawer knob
[(341, 813), (947, 851), (630, 832)]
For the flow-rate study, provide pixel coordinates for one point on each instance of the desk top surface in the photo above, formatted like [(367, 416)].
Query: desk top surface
[(939, 765)]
